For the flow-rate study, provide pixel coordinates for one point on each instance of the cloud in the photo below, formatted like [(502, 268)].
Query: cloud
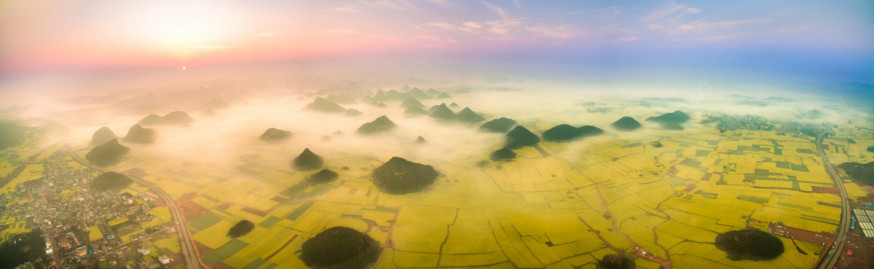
[(518, 6), (509, 29), (497, 10), (441, 25), (349, 8), (791, 30), (472, 24), (210, 47), (439, 2), (398, 5), (627, 39), (344, 31), (664, 12), (678, 19), (560, 32), (718, 38), (504, 27)]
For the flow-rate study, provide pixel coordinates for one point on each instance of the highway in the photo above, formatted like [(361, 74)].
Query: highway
[(841, 234), (186, 244)]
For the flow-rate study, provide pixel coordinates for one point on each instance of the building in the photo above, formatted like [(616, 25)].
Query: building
[(865, 219)]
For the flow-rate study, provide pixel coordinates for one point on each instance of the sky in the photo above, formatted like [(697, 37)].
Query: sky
[(823, 40)]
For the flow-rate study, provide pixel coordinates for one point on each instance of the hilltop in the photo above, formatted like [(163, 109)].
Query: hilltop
[(21, 248), (11, 134), (860, 172), (626, 123), (520, 137), (378, 125), (442, 112), (307, 160), (749, 244), (353, 112), (671, 121), (172, 118), (273, 134), (140, 135), (107, 154), (467, 115), (412, 103), (399, 176), (415, 111), (503, 154), (340, 247), (110, 181), (500, 125), (564, 132), (320, 104), (101, 136), (242, 228), (322, 176), (616, 261)]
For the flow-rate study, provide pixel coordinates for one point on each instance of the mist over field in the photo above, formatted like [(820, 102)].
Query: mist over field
[(436, 134), (229, 115)]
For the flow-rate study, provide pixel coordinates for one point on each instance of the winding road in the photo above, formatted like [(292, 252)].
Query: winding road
[(186, 244), (837, 249)]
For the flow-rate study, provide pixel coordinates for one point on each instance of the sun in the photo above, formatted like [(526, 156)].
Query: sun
[(181, 26)]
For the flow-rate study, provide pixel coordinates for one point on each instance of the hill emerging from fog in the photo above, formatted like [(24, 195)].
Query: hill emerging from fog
[(340, 247), (307, 160), (172, 118), (322, 105), (467, 115), (441, 112), (564, 132), (520, 137), (671, 121), (380, 124), (626, 123), (273, 134), (101, 136), (139, 135), (399, 176), (110, 181), (500, 125), (107, 154), (11, 134)]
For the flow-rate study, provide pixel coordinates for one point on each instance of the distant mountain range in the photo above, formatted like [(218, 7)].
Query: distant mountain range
[(172, 118)]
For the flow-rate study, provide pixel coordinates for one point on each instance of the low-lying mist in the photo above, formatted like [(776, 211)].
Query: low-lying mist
[(229, 116)]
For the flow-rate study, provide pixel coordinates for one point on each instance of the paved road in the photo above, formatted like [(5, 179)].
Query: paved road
[(186, 244), (841, 234)]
